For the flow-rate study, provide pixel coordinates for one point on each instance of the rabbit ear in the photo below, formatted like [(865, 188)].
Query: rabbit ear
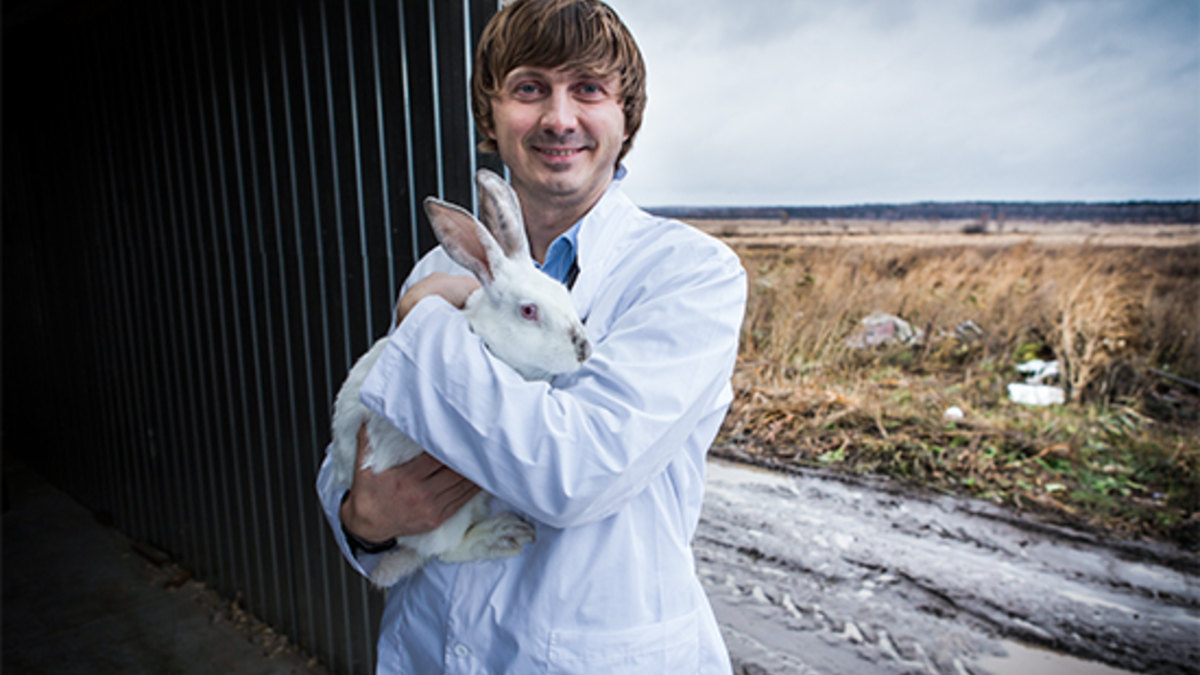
[(465, 239), (500, 212)]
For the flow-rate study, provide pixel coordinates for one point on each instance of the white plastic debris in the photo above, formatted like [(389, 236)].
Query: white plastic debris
[(1033, 391), (953, 413), (1038, 370), (1036, 394)]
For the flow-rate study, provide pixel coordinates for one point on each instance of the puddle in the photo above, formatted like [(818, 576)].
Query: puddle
[(1027, 660)]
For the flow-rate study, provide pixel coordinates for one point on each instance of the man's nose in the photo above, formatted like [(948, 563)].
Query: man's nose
[(560, 116)]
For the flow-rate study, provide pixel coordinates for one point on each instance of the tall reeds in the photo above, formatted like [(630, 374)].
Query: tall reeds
[(1122, 454), (1088, 307)]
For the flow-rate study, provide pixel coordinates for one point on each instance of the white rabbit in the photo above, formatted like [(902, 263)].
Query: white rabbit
[(525, 318)]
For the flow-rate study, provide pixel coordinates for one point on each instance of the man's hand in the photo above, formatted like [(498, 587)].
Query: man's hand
[(454, 288), (420, 495), (412, 498)]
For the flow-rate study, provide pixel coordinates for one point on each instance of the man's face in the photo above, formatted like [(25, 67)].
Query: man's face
[(560, 133)]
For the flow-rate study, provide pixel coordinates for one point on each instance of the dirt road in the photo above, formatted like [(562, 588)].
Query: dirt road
[(809, 574)]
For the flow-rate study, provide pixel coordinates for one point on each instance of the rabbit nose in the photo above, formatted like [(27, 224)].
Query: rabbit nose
[(583, 348)]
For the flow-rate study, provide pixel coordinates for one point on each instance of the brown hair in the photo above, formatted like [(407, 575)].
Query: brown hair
[(582, 35)]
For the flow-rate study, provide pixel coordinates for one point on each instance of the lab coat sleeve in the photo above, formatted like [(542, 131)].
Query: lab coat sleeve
[(331, 495), (578, 451)]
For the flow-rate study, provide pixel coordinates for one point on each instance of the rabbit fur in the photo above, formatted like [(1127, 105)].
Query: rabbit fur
[(525, 319)]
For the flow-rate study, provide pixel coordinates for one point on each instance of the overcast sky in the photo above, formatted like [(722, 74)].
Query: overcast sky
[(816, 102)]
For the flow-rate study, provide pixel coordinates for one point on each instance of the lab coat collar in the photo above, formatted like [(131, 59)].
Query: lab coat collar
[(603, 236)]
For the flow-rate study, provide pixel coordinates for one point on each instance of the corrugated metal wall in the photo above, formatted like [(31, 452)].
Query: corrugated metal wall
[(207, 208)]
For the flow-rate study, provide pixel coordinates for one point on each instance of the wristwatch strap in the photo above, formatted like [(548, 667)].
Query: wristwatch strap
[(358, 545)]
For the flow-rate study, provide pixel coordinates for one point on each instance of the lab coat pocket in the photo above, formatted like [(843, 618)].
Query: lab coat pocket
[(671, 646)]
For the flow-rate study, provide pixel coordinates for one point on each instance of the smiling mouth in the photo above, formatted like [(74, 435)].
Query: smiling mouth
[(567, 152)]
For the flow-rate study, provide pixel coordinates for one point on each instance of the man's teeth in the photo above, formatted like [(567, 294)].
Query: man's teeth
[(559, 153)]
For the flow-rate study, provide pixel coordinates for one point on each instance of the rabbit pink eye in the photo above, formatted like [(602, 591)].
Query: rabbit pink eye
[(529, 312)]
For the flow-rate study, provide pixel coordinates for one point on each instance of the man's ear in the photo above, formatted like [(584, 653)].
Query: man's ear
[(487, 127)]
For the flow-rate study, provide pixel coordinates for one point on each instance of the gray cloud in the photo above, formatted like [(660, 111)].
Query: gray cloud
[(878, 100)]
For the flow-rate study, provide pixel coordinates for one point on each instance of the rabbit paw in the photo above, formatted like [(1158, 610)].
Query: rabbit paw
[(395, 565), (500, 536)]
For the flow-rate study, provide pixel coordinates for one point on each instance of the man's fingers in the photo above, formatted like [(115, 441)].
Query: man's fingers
[(437, 477), (459, 496), (422, 467), (364, 444), (446, 491), (437, 508), (456, 488), (411, 498)]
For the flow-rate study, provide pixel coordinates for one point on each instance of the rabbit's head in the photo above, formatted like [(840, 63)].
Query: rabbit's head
[(523, 316)]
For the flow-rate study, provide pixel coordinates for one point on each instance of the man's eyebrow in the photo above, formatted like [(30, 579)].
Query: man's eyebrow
[(577, 72), (593, 72), (523, 71)]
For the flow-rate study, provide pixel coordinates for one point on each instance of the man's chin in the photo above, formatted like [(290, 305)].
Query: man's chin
[(559, 179), (561, 188), (562, 180)]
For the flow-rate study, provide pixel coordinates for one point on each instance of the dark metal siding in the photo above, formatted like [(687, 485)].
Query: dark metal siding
[(208, 207)]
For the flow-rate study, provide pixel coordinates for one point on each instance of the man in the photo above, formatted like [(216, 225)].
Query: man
[(607, 462)]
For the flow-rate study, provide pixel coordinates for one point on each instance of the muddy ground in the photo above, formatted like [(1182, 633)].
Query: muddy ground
[(812, 573)]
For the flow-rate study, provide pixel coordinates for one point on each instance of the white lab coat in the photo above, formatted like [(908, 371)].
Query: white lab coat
[(607, 462)]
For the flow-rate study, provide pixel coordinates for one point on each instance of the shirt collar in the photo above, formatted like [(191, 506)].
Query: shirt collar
[(561, 254)]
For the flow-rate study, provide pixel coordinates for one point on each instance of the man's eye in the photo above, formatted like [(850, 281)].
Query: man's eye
[(528, 89)]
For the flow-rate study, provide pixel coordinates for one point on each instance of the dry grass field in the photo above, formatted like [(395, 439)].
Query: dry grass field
[(1117, 306)]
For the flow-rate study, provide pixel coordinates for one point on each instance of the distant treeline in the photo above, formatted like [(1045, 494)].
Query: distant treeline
[(1107, 212)]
